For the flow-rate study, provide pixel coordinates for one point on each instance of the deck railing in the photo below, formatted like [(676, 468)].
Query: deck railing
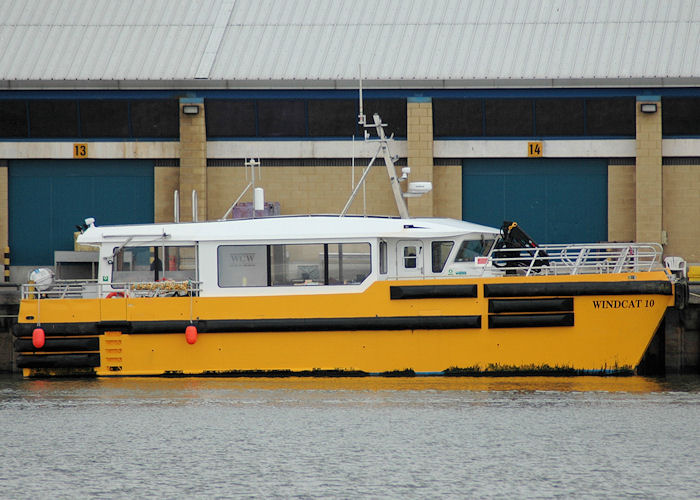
[(599, 258), (92, 289)]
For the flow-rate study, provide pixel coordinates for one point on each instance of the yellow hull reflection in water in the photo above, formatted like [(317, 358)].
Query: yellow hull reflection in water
[(194, 388)]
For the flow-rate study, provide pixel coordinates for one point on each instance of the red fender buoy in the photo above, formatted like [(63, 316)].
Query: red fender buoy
[(191, 334), (38, 338), (114, 294)]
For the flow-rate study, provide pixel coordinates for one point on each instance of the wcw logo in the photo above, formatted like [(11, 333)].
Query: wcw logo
[(243, 259)]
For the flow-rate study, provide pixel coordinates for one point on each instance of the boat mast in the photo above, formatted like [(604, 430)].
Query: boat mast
[(390, 168), (388, 161)]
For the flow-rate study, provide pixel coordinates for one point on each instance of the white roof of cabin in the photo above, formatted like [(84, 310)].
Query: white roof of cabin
[(286, 229)]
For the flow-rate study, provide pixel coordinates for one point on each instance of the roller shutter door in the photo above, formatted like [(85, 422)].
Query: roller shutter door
[(48, 198), (554, 201)]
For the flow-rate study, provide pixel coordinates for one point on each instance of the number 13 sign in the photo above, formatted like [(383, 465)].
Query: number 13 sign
[(80, 150)]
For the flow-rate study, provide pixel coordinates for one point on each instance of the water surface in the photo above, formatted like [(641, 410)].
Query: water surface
[(530, 437)]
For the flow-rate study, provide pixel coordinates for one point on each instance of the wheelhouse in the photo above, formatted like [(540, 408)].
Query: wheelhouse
[(288, 254)]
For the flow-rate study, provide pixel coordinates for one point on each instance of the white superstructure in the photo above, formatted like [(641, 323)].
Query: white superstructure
[(292, 228)]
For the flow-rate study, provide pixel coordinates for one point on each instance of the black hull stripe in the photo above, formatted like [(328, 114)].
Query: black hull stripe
[(432, 292), (316, 324), (580, 288), (58, 360), (267, 325), (59, 345), (531, 320), (530, 305), (61, 329)]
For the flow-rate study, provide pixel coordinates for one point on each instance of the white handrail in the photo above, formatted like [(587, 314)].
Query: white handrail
[(595, 258), (91, 289)]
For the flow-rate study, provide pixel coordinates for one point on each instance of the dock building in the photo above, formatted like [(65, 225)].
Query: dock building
[(579, 119)]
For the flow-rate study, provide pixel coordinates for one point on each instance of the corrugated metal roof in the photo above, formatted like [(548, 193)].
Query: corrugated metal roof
[(321, 42)]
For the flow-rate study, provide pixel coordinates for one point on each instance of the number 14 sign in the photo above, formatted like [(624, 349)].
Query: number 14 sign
[(534, 149)]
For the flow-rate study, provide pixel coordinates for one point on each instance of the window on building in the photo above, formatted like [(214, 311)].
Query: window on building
[(680, 116), (281, 118), (53, 118), (14, 119), (104, 118), (391, 111), (457, 118), (559, 117), (508, 117), (332, 118), (611, 116), (158, 118), (230, 118), (440, 252)]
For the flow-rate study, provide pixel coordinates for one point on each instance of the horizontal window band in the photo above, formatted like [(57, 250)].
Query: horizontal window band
[(530, 305), (432, 291), (371, 323), (87, 360), (531, 320), (578, 288)]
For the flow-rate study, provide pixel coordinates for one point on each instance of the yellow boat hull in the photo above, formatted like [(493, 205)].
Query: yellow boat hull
[(585, 324)]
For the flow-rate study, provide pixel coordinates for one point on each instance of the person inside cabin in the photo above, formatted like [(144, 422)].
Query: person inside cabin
[(157, 267)]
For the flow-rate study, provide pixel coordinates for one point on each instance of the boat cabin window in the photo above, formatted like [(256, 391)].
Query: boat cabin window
[(410, 257), (293, 264), (348, 263), (297, 264), (469, 249), (440, 252), (382, 257), (242, 265), (154, 263)]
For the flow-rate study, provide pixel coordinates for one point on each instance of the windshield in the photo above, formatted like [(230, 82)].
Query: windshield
[(469, 249)]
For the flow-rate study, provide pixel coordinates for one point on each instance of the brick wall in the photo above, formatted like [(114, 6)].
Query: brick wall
[(648, 178), (447, 188), (420, 154), (193, 161), (302, 189), (165, 181), (681, 199), (621, 203)]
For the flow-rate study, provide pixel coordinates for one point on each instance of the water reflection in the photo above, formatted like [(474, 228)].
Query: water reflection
[(524, 437), (195, 388)]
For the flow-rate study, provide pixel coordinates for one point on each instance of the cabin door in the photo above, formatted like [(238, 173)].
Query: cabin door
[(409, 258)]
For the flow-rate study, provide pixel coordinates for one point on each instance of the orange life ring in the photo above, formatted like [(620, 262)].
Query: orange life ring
[(114, 294)]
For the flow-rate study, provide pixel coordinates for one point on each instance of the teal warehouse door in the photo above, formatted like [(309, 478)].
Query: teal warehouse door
[(48, 198), (554, 201)]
